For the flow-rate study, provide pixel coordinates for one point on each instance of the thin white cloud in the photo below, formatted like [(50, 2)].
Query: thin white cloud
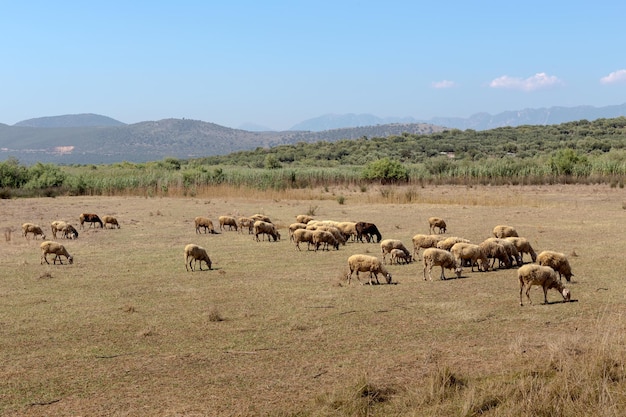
[(614, 77), (539, 81), (443, 84)]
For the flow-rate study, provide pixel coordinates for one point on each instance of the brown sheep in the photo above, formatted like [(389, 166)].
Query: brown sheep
[(558, 262), (245, 223), (324, 238), (67, 230), (439, 257), (303, 218), (503, 231), (265, 228), (90, 218), (302, 235), (204, 222), (229, 221), (196, 253), (436, 222), (543, 276), (57, 250), (523, 246), (367, 263), (36, 230), (369, 230), (110, 220)]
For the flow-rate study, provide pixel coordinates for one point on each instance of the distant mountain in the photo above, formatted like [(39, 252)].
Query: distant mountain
[(478, 121), (253, 127), (71, 120)]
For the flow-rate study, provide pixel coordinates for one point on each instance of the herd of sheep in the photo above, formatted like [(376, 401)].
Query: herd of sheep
[(504, 250)]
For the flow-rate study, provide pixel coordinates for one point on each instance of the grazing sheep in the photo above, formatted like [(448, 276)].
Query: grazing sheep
[(229, 221), (366, 263), (34, 229), (503, 231), (438, 223), (388, 244), (439, 257), (558, 262), (110, 220), (57, 250), (340, 237), (448, 242), (61, 226), (510, 249), (260, 217), (295, 226), (543, 276), (369, 230), (303, 218), (302, 235), (245, 223), (204, 222), (70, 232), (424, 241), (523, 246), (348, 229), (196, 253), (495, 250), (91, 219), (324, 238), (469, 252), (398, 255), (265, 228)]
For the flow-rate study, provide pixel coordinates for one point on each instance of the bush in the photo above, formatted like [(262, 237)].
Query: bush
[(386, 171)]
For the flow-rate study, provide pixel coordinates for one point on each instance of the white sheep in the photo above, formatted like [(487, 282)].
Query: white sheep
[(324, 238), (67, 230), (303, 218), (348, 229), (387, 245), (463, 251), (439, 257), (398, 255), (367, 263), (447, 243), (260, 217), (503, 231), (543, 276), (495, 250), (424, 241), (302, 235), (436, 222), (265, 228), (295, 226), (558, 262), (196, 253), (510, 249), (245, 223), (110, 220), (34, 229), (523, 246), (57, 250), (229, 221), (340, 237), (205, 223)]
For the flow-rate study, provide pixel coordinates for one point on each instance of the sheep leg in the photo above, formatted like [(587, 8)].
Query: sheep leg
[(528, 294), (443, 276)]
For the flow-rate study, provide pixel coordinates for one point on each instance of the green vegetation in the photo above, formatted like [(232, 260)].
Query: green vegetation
[(575, 152)]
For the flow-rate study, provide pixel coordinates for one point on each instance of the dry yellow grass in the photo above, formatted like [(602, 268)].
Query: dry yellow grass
[(126, 331)]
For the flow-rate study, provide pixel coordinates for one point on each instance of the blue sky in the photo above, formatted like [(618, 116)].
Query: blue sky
[(277, 63)]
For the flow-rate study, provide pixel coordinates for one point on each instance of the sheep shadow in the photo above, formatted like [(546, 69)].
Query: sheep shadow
[(560, 302)]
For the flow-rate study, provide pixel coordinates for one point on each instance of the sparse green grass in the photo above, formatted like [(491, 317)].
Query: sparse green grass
[(126, 330)]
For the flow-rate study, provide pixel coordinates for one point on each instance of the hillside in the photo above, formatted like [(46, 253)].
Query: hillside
[(71, 120)]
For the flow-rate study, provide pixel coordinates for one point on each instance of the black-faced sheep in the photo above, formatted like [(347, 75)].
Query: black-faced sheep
[(325, 239), (303, 218), (503, 231), (265, 228), (203, 222), (110, 220), (36, 230), (90, 218), (302, 235), (448, 242), (439, 257), (436, 222), (195, 253), (387, 245), (57, 250), (398, 255), (369, 230), (558, 262), (543, 276), (469, 252), (367, 263), (424, 241), (523, 246), (229, 221)]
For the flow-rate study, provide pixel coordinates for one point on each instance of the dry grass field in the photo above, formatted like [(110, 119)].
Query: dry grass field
[(127, 331)]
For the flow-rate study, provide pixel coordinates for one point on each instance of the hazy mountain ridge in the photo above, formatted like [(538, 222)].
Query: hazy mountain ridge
[(71, 120)]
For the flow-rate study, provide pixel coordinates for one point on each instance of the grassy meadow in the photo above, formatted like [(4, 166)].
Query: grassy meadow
[(270, 331)]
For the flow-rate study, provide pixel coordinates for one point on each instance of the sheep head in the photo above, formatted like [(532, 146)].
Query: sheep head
[(70, 259), (458, 271), (388, 277), (567, 295)]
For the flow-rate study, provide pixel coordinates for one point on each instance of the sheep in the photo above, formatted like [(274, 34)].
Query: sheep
[(367, 263), (340, 237), (503, 231), (293, 227), (245, 223), (265, 228), (196, 253), (57, 249), (438, 223), (229, 221), (110, 220), (36, 230), (399, 254), (558, 262), (496, 250), (303, 218), (204, 222), (447, 243), (57, 226), (89, 218), (388, 244), (439, 257), (463, 251), (348, 229), (70, 232), (424, 241), (544, 276), (326, 238), (302, 235), (260, 217), (510, 249), (369, 230), (523, 246)]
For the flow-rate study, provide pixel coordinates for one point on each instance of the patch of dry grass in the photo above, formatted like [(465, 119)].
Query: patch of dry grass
[(126, 330)]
